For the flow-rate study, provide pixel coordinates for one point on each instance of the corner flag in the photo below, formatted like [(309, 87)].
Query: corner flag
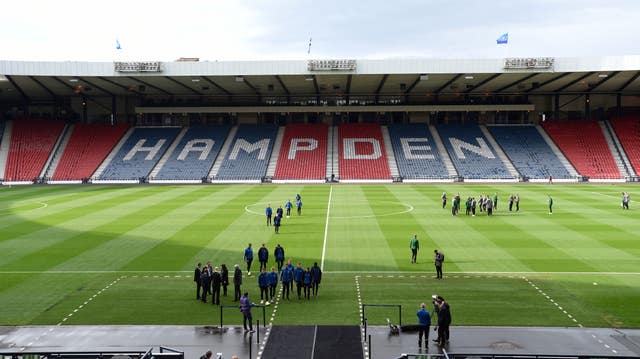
[(503, 39)]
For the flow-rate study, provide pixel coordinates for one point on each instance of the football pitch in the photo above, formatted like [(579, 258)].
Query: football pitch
[(125, 254)]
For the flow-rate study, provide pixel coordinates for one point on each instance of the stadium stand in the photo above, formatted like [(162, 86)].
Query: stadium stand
[(249, 154), (362, 153), (87, 148), (194, 155), (416, 152), (303, 155), (31, 144), (471, 153), (628, 132), (528, 152), (584, 145), (140, 153)]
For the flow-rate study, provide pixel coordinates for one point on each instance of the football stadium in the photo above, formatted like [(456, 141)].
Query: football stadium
[(139, 198)]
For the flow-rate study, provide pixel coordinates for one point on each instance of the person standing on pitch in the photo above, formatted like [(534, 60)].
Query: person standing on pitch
[(316, 273), (444, 321), (216, 281), (278, 253), (438, 259), (495, 201), (444, 199), (489, 207), (424, 321), (237, 282), (550, 205), (273, 283), (625, 200), (307, 281), (269, 212), (276, 225), (415, 246), (224, 273), (263, 283), (511, 200), (279, 212), (291, 269), (298, 277), (263, 256), (196, 278), (286, 276), (206, 284), (248, 258), (288, 206), (299, 205), (517, 200)]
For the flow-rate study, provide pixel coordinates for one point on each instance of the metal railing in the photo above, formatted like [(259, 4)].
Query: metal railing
[(264, 313), (364, 315)]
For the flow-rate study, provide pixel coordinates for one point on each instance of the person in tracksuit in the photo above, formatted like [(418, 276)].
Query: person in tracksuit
[(269, 213), (248, 258), (286, 277), (288, 206), (291, 268), (424, 321), (298, 277), (263, 256), (316, 273), (278, 253), (273, 283), (263, 283), (307, 280)]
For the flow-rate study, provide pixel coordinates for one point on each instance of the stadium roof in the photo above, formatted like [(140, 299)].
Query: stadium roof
[(33, 81)]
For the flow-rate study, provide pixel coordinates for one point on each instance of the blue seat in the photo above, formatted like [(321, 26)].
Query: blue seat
[(418, 163), (183, 164), (471, 153), (137, 166), (529, 152), (249, 154)]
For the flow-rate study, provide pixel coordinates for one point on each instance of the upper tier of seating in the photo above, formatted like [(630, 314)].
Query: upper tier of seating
[(88, 146), (584, 145), (362, 153), (416, 153), (303, 154), (30, 146), (529, 152), (195, 154), (471, 152), (140, 153), (628, 131), (249, 153)]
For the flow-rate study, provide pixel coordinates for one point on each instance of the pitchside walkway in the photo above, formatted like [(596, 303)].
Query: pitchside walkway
[(320, 341)]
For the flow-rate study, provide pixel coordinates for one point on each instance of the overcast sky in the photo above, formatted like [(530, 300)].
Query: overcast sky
[(86, 30)]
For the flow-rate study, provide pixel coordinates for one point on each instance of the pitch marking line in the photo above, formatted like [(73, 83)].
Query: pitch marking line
[(326, 228), (612, 196), (273, 317), (362, 337)]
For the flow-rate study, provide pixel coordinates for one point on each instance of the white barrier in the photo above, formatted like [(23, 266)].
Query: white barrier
[(16, 183), (175, 181), (115, 181), (65, 182), (297, 181)]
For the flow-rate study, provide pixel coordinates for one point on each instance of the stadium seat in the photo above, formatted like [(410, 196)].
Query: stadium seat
[(471, 153), (194, 164), (422, 162), (299, 158), (583, 143), (249, 153), (529, 152), (628, 132), (87, 148), (364, 156), (31, 144), (133, 165)]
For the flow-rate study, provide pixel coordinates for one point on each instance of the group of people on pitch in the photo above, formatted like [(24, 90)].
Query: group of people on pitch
[(483, 204), (276, 221)]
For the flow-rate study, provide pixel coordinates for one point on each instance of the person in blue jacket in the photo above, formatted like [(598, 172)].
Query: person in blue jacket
[(273, 283), (269, 212), (299, 205), (288, 206), (424, 321), (307, 279), (286, 276), (298, 277), (276, 224), (316, 274), (263, 256), (263, 283), (278, 253), (248, 258)]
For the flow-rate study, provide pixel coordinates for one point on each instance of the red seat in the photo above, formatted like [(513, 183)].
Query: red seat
[(628, 131), (306, 164), (29, 148), (359, 168)]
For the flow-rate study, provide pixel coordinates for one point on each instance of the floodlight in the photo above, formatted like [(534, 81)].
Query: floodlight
[(73, 80), (468, 77)]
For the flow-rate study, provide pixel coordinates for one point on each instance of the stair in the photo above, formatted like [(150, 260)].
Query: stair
[(168, 153), (335, 154), (556, 150), (451, 169), (275, 153), (112, 154), (4, 146), (393, 165), (314, 342), (223, 152), (66, 135), (56, 152), (619, 155), (329, 170), (501, 155)]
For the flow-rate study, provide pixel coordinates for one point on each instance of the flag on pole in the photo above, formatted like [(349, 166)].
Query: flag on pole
[(118, 47), (503, 39), (309, 49)]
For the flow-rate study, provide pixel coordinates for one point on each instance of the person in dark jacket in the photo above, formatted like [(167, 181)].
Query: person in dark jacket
[(248, 258), (263, 257), (237, 282), (206, 284), (278, 253), (276, 224), (444, 321), (196, 278), (286, 276), (307, 280), (298, 277), (245, 308), (316, 274), (216, 281), (263, 283), (273, 283), (291, 268), (225, 279)]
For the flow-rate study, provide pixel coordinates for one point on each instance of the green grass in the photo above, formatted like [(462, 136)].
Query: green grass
[(60, 246)]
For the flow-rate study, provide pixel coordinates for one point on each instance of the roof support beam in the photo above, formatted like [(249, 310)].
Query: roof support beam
[(150, 85), (213, 83), (317, 88), (348, 89), (626, 84), (380, 85), (286, 90), (119, 85), (574, 81), (22, 93), (603, 80), (413, 84), (84, 96), (249, 85), (481, 83), (548, 81), (53, 95), (183, 85), (515, 83), (447, 84)]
